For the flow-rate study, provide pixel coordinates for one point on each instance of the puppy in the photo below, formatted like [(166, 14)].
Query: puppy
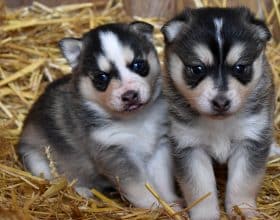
[(106, 123), (221, 106)]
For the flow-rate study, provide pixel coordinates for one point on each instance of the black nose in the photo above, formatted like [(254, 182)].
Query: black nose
[(221, 104), (130, 96)]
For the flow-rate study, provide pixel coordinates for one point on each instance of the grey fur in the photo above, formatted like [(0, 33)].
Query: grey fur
[(198, 140), (98, 148)]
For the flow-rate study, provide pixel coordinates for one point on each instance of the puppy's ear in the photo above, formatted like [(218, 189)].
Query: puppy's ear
[(142, 28), (261, 29), (176, 25), (258, 26), (71, 49)]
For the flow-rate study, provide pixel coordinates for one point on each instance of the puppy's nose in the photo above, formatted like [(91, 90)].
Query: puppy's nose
[(220, 104), (130, 96)]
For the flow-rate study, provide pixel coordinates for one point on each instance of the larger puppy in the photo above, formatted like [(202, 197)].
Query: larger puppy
[(221, 104), (106, 123)]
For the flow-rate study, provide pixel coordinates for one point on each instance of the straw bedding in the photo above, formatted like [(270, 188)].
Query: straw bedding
[(29, 60)]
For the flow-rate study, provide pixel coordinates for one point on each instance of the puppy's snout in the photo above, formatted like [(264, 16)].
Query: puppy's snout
[(221, 104), (130, 96)]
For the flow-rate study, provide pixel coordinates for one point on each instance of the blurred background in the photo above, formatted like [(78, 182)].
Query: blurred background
[(168, 8)]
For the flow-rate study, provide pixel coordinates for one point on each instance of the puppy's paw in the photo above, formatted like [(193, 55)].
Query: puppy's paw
[(205, 216), (177, 204), (148, 202), (84, 192), (243, 212)]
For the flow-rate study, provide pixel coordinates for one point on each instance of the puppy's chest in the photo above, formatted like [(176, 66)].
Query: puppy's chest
[(138, 135), (217, 136)]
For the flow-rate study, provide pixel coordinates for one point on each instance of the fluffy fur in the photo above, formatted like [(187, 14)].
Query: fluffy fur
[(221, 104), (106, 123)]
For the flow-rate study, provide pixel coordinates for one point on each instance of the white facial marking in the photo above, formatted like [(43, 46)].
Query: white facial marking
[(218, 25), (209, 92), (153, 62), (201, 96), (120, 56), (235, 53), (128, 54), (258, 68), (112, 47), (218, 22), (204, 54), (176, 68), (234, 94), (103, 63)]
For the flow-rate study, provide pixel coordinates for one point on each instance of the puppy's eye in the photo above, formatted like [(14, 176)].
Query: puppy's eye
[(242, 72), (198, 70), (100, 80), (239, 69), (139, 66)]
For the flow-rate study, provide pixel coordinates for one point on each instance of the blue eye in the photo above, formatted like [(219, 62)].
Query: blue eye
[(239, 68), (199, 69), (139, 66)]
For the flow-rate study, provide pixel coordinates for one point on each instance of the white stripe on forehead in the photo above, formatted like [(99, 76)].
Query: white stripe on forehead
[(235, 53), (114, 50), (112, 47), (204, 54), (218, 22), (103, 63), (218, 25)]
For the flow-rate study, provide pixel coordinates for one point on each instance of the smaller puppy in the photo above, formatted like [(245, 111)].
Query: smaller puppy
[(106, 123), (221, 100)]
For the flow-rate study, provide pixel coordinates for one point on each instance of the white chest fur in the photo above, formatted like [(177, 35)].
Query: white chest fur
[(216, 135), (137, 134)]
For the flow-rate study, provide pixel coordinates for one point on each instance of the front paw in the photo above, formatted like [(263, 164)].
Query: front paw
[(84, 192), (213, 215), (243, 211), (177, 204)]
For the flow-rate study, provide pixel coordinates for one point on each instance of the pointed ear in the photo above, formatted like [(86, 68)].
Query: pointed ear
[(142, 28), (176, 25), (71, 49), (261, 30), (258, 26), (171, 30)]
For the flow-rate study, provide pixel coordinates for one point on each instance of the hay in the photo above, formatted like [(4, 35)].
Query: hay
[(29, 60)]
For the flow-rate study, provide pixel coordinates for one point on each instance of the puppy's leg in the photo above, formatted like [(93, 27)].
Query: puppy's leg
[(36, 162), (160, 170), (245, 173), (127, 173), (195, 175)]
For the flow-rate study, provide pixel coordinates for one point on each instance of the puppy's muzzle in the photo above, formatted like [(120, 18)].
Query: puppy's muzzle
[(131, 100), (221, 104)]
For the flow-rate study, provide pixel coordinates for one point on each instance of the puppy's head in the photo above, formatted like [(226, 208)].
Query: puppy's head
[(214, 57), (115, 66)]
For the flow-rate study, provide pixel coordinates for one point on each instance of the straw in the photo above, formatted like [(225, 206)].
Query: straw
[(30, 60)]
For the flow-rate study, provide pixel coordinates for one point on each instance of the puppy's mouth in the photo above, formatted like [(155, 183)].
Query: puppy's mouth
[(133, 107), (220, 116)]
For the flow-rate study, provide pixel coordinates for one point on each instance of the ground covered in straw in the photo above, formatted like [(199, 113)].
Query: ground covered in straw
[(29, 60)]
